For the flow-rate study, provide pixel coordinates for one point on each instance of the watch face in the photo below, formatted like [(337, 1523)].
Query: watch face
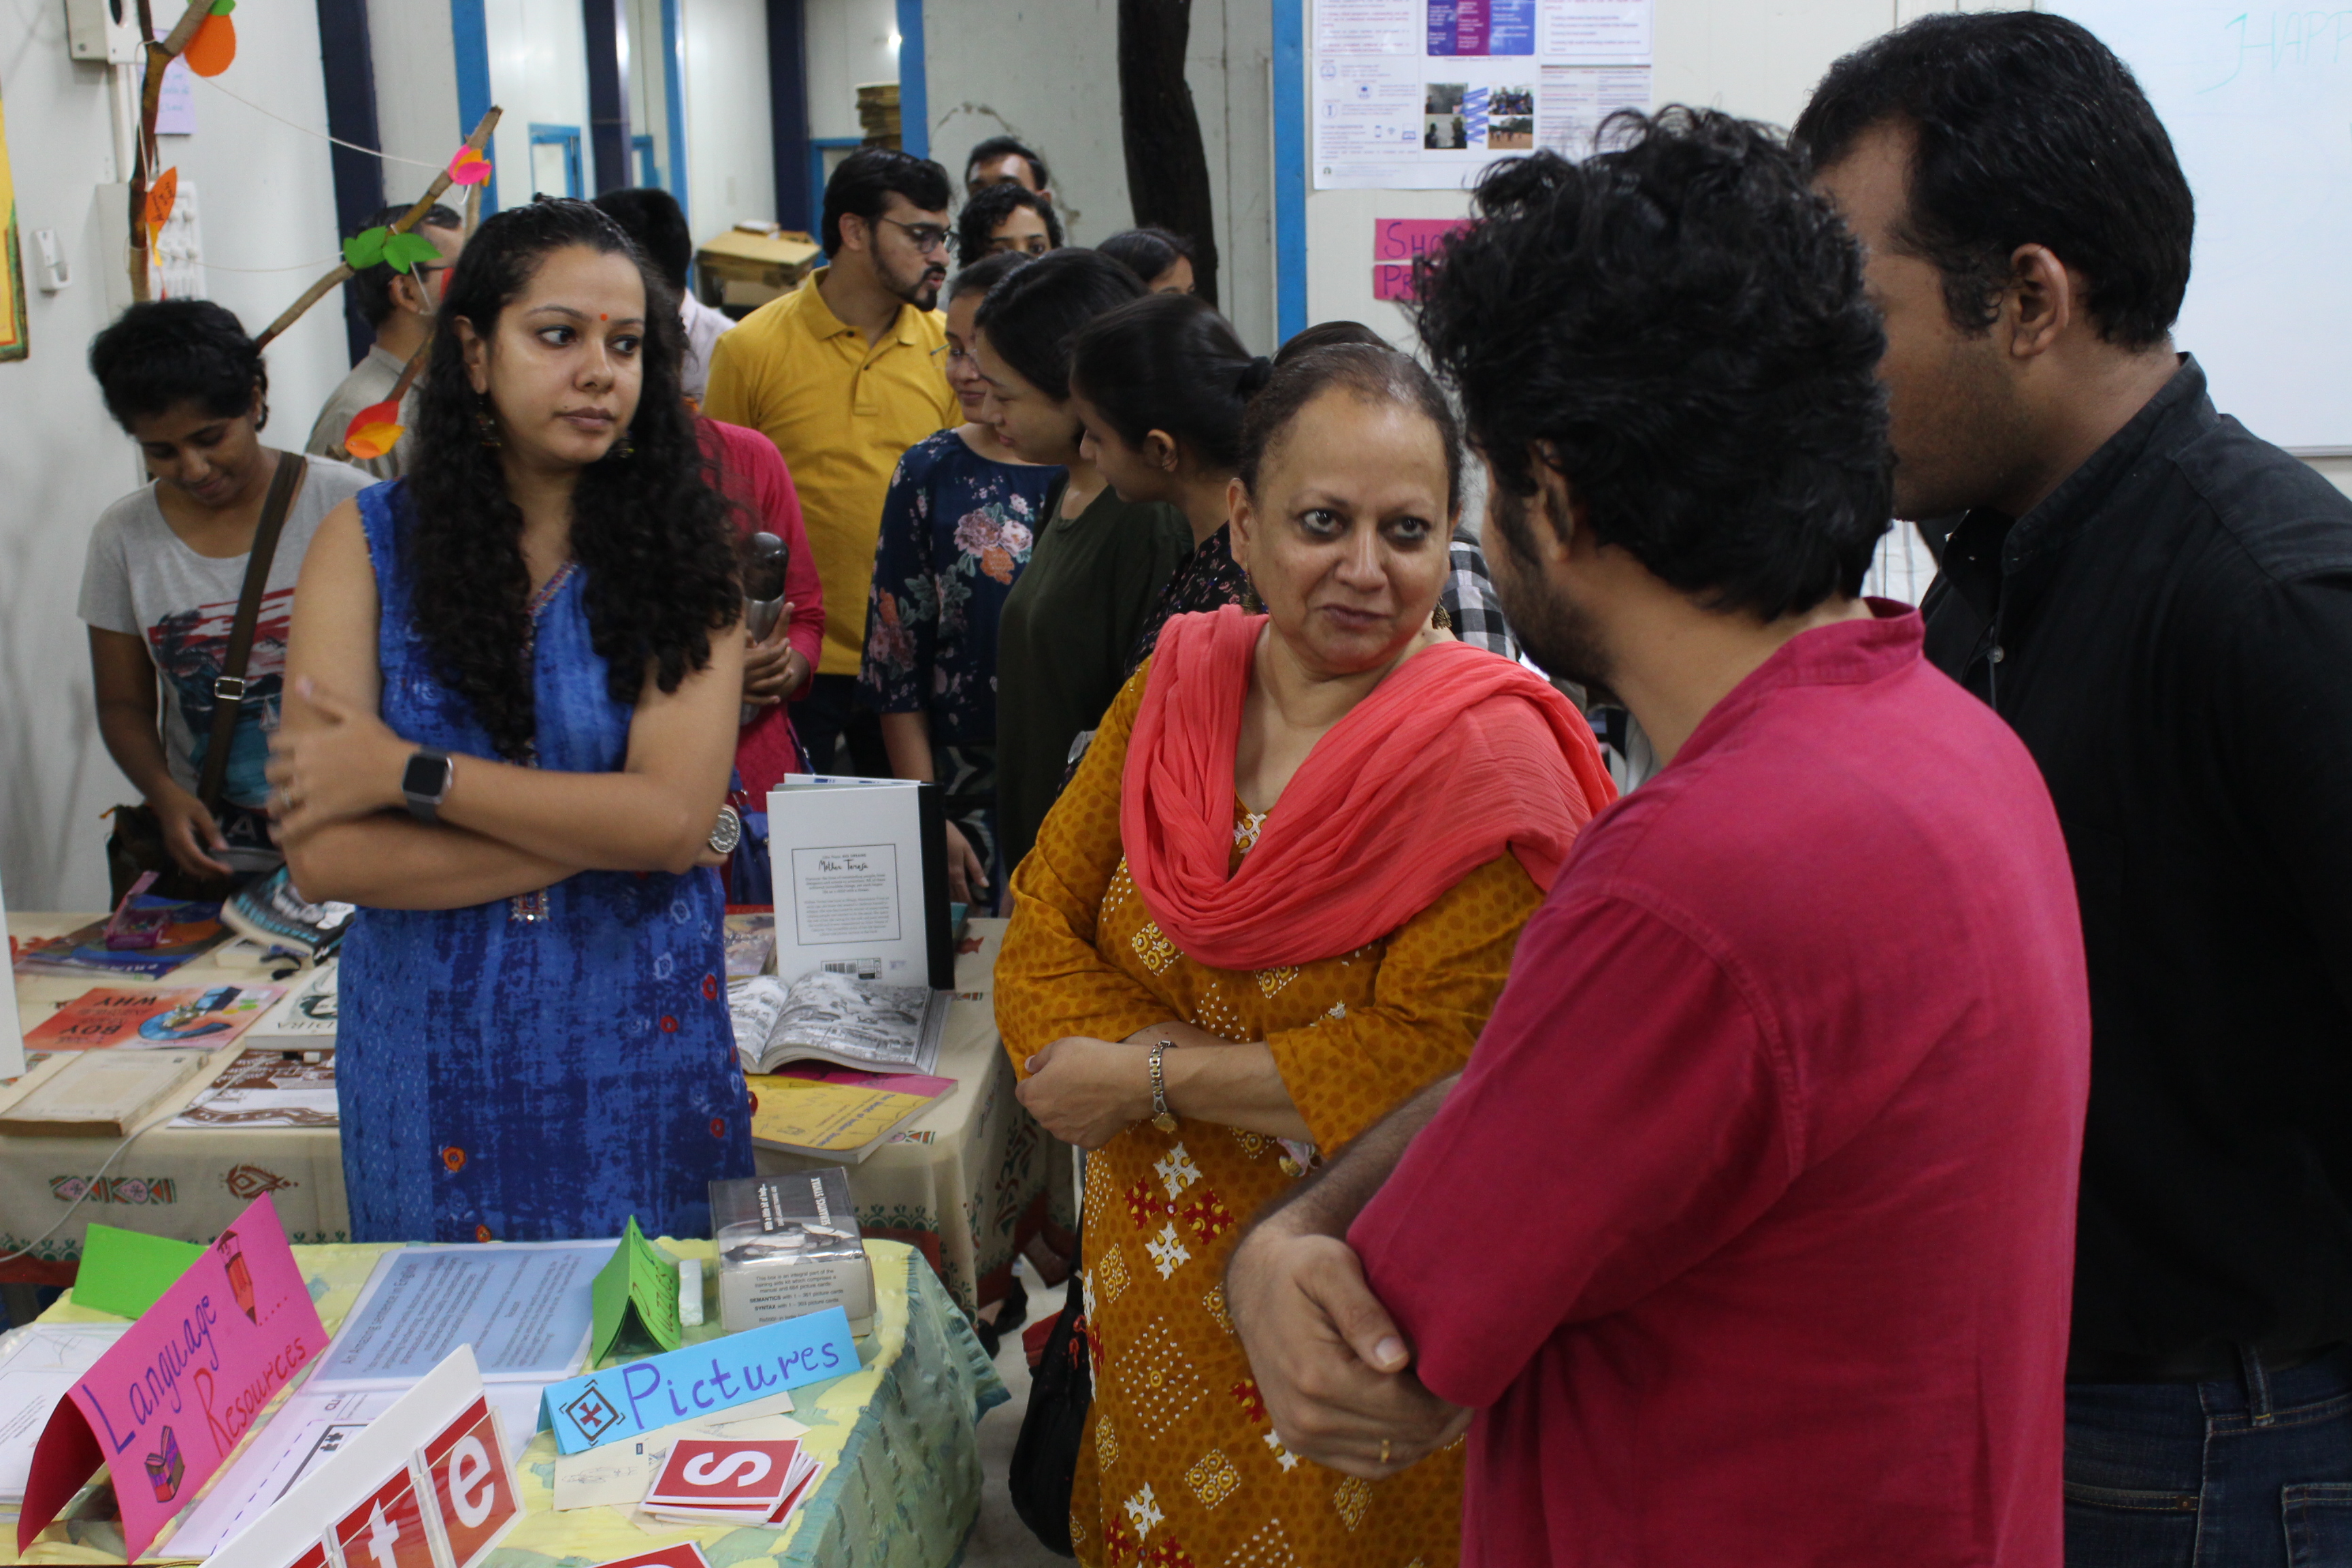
[(426, 777)]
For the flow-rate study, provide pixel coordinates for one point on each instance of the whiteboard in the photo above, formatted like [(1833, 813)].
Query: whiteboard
[(2259, 104)]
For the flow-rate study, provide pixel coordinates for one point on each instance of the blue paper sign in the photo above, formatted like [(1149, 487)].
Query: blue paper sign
[(637, 1397)]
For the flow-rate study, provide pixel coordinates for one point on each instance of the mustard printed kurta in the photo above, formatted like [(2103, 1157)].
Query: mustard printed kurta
[(1182, 1467)]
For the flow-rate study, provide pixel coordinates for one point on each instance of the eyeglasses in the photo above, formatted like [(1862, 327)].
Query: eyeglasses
[(927, 237), (952, 354)]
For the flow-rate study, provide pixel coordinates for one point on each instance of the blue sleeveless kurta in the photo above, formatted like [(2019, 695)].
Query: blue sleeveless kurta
[(512, 1079)]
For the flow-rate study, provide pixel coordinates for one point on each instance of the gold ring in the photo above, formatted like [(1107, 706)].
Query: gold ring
[(1384, 1450)]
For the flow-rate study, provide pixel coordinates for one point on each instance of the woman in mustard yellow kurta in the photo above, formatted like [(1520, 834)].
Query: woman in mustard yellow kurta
[(1289, 873)]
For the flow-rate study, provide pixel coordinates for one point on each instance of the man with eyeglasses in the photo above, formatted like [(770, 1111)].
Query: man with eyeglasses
[(842, 375), (400, 306)]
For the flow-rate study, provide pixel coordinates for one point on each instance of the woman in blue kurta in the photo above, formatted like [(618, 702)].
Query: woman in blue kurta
[(512, 714)]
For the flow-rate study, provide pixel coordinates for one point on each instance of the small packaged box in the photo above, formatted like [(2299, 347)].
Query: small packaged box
[(788, 1245)]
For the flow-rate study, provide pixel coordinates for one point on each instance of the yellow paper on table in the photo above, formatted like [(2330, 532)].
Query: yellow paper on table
[(835, 1112)]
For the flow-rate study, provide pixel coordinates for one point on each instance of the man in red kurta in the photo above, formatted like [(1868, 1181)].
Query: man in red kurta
[(1747, 1233)]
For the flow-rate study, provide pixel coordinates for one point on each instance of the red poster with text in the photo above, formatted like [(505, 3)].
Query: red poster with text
[(473, 1486)]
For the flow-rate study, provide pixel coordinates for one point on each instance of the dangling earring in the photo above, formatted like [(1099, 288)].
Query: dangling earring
[(1251, 604), (1441, 619), (486, 423), (624, 448)]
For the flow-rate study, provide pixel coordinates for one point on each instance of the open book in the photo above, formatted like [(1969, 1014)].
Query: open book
[(830, 1017)]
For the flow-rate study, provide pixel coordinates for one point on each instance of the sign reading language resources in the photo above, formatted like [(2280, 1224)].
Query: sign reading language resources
[(164, 1408), (639, 1395)]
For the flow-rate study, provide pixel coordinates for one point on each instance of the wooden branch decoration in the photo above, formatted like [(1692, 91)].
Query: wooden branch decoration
[(150, 97), (406, 221)]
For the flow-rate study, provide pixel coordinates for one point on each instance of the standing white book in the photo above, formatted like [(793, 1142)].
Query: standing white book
[(305, 1013), (861, 877)]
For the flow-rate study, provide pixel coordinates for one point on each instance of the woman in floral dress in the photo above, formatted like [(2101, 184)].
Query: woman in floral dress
[(957, 528)]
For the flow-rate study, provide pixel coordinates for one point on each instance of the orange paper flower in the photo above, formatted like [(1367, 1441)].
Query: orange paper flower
[(213, 47), (160, 197), (373, 431)]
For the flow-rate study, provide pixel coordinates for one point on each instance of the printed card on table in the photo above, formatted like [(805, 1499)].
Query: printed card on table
[(427, 1484), (721, 1473), (639, 1395), (164, 1408)]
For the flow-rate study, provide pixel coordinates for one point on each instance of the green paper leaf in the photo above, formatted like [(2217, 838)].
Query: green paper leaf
[(222, 7), (365, 249), (126, 1272), (403, 251), (637, 1286)]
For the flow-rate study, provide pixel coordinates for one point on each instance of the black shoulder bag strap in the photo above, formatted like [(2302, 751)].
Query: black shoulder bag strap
[(228, 690)]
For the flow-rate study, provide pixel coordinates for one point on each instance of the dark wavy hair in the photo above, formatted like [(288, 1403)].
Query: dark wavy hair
[(1033, 317), (1372, 372), (1169, 362), (1148, 252), (1678, 323), (160, 353), (2029, 131), (647, 528), (990, 206), (862, 185)]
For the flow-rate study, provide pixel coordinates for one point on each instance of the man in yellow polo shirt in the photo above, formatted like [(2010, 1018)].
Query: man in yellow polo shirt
[(842, 375)]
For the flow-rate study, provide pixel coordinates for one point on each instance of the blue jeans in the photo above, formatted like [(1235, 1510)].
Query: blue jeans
[(2246, 1470)]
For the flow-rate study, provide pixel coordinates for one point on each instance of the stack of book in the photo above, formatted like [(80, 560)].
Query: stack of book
[(713, 1480), (877, 112)]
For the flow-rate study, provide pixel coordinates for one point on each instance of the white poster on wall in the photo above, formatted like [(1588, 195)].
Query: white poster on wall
[(1424, 94)]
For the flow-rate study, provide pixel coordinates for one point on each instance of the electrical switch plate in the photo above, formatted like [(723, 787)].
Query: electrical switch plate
[(50, 258), (177, 270), (103, 32)]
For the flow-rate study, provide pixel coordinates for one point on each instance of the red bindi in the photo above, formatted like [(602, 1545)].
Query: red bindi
[(603, 318)]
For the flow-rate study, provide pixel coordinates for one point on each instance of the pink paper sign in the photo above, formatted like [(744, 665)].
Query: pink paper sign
[(164, 1408), (1390, 281), (1404, 238)]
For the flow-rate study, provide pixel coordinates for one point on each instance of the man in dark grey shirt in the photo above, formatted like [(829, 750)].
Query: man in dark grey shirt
[(2161, 605)]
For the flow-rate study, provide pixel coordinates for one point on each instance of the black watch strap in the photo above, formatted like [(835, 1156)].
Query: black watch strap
[(425, 783)]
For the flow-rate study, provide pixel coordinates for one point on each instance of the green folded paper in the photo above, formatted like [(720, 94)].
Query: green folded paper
[(638, 1291), (125, 1272)]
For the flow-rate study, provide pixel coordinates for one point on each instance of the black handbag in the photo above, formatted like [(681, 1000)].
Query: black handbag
[(136, 846), (1045, 1455)]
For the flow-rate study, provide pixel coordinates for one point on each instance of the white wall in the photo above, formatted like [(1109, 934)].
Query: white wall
[(416, 91), (539, 73), (266, 199), (1048, 72), (849, 42), (731, 166)]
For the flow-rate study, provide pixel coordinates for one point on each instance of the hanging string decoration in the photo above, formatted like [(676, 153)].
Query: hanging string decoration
[(213, 47)]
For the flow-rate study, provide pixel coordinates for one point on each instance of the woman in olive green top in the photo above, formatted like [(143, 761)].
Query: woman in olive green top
[(1099, 566)]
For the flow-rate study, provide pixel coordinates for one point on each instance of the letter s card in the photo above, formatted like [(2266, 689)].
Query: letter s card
[(711, 1472)]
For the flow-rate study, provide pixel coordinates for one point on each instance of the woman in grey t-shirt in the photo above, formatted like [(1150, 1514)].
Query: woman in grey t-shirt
[(167, 563)]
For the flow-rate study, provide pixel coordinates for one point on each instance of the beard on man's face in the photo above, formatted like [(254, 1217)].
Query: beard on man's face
[(1553, 629)]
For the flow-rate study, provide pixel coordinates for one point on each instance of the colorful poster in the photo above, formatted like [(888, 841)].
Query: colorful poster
[(13, 345), (1424, 94), (164, 1409)]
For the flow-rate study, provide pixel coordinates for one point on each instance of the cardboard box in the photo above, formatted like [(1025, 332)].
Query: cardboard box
[(747, 268)]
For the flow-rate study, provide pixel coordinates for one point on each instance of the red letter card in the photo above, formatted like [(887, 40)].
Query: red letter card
[(685, 1554), (711, 1472), (163, 1408), (387, 1529), (473, 1485)]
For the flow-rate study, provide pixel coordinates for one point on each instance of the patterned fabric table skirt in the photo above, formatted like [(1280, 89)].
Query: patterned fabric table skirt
[(901, 1485)]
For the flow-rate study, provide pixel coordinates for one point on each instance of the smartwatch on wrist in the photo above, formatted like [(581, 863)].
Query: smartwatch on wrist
[(424, 783)]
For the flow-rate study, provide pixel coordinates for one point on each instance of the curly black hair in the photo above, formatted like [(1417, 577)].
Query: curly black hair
[(2028, 130), (1678, 324), (160, 353), (647, 526), (990, 206)]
